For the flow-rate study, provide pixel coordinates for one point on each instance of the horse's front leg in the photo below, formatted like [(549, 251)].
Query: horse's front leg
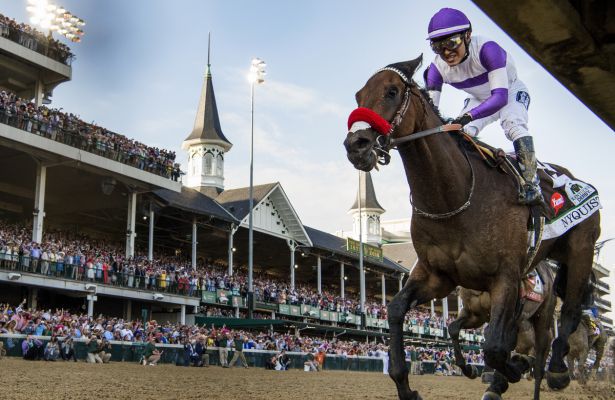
[(420, 287), (466, 320)]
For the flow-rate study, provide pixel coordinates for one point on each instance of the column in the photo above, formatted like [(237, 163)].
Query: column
[(231, 234), (32, 297), (319, 275), (459, 305), (39, 203), (384, 289), (130, 225), (128, 311), (292, 246), (150, 240), (90, 298), (194, 243), (433, 308), (342, 281), (182, 315), (38, 92), (445, 309)]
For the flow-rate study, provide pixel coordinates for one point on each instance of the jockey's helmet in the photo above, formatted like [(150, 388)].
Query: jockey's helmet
[(447, 22)]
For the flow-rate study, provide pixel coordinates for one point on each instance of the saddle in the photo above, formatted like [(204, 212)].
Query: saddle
[(570, 201)]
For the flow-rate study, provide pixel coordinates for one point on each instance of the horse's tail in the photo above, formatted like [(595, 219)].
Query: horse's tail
[(560, 286)]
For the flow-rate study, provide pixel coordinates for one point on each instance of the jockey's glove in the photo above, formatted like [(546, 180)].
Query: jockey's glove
[(463, 120)]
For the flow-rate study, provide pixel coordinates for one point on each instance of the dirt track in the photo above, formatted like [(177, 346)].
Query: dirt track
[(68, 380)]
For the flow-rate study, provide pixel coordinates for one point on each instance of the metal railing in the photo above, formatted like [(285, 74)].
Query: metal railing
[(87, 142), (39, 43), (81, 273)]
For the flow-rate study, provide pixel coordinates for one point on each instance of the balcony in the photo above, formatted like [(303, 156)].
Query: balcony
[(37, 42), (604, 287), (604, 304)]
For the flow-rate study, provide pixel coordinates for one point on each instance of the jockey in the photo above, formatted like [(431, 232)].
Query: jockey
[(487, 73)]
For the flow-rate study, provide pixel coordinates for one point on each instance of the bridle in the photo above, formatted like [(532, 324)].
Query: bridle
[(384, 143)]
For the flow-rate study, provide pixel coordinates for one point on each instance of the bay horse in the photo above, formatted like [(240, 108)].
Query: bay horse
[(534, 322), (581, 341), (467, 227)]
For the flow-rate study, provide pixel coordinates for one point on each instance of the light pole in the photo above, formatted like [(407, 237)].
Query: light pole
[(256, 77), (361, 265)]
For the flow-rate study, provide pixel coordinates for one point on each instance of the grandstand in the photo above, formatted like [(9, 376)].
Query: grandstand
[(92, 220)]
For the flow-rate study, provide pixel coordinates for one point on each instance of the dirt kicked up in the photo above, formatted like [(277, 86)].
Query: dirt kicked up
[(69, 380)]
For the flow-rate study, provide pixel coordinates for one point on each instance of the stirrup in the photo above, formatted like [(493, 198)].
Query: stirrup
[(531, 194)]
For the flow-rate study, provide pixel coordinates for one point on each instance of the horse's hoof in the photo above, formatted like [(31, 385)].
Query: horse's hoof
[(415, 396), (558, 380), (488, 395), (470, 371), (522, 362), (487, 377)]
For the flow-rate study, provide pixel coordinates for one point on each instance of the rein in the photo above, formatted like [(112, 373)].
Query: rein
[(384, 143)]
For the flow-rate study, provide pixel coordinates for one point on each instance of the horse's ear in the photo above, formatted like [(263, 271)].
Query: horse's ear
[(409, 67)]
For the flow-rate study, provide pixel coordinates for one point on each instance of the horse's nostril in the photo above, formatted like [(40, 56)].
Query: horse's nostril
[(362, 143)]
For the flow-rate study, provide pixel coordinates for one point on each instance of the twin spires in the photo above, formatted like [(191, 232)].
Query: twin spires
[(206, 144), (366, 218)]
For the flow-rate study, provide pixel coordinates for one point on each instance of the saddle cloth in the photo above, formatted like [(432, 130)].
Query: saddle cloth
[(572, 201), (532, 287)]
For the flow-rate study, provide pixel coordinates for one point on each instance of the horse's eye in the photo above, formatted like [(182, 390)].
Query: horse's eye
[(391, 93)]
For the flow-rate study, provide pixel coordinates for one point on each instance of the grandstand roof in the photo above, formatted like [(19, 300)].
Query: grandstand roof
[(573, 40), (194, 201), (326, 241), (207, 127), (273, 212), (237, 201)]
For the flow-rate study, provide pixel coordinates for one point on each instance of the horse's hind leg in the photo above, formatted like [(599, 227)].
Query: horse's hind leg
[(419, 288), (466, 320), (543, 337), (576, 257), (498, 386)]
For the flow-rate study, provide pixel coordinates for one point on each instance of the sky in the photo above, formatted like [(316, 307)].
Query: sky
[(140, 67)]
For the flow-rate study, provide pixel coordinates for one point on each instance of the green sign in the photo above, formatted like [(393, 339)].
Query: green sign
[(333, 316), (369, 251), (237, 301), (295, 310), (324, 315), (284, 309), (208, 297)]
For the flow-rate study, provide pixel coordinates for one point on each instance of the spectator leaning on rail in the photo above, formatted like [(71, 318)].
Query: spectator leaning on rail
[(32, 349), (151, 355)]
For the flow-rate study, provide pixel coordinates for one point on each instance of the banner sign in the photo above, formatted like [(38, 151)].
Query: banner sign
[(369, 251)]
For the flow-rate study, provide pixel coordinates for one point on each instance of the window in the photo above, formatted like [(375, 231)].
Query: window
[(220, 165), (208, 166)]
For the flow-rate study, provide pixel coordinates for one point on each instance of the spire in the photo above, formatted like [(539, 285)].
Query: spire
[(207, 122), (366, 193)]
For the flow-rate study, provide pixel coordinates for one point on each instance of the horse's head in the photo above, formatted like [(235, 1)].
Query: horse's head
[(382, 114)]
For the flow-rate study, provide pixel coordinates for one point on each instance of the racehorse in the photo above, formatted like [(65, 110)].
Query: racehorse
[(536, 318), (581, 342), (467, 227)]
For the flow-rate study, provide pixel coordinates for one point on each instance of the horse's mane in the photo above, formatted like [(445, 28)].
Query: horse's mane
[(428, 100), (403, 67)]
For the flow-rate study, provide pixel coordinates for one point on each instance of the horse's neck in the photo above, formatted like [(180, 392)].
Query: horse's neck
[(436, 169)]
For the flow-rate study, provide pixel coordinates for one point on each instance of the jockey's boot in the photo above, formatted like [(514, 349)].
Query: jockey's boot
[(526, 157)]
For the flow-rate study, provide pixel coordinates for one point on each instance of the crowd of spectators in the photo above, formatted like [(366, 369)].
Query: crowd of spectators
[(100, 330), (74, 256), (35, 40), (69, 129)]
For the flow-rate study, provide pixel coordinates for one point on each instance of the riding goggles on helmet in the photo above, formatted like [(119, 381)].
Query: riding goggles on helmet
[(450, 43)]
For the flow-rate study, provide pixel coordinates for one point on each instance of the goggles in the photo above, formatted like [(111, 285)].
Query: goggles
[(450, 43)]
